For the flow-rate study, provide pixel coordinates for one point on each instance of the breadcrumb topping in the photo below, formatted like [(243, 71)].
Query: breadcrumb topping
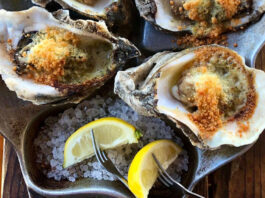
[(192, 7), (210, 17), (193, 41), (48, 57), (243, 127), (217, 89), (208, 115), (230, 7)]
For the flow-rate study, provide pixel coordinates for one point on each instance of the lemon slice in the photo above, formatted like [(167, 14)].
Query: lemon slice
[(143, 171), (109, 132)]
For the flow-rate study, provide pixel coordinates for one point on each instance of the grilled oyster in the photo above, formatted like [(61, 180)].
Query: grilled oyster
[(202, 17), (207, 91), (114, 12), (49, 57)]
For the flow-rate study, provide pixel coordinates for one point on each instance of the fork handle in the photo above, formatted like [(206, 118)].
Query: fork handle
[(186, 191), (123, 180), (193, 194)]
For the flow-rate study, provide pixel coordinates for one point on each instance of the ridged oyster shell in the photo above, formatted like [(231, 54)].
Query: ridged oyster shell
[(114, 12), (15, 26), (148, 89)]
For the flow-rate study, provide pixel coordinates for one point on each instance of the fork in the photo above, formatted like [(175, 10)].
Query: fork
[(106, 162), (168, 181)]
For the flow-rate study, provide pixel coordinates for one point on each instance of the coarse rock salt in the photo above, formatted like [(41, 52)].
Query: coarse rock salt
[(49, 144)]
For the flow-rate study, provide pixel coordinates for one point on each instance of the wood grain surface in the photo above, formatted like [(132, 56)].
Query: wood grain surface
[(242, 178)]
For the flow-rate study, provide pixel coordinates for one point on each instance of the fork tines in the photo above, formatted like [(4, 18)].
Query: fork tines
[(100, 155), (168, 181), (106, 162)]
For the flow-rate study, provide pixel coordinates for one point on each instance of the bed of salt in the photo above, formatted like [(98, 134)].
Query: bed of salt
[(49, 144)]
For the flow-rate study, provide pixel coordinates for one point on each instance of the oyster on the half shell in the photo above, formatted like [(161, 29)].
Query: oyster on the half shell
[(114, 12), (202, 17), (49, 58), (207, 91)]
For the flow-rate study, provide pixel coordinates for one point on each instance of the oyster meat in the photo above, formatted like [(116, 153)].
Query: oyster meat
[(207, 91), (202, 17), (49, 58), (114, 12)]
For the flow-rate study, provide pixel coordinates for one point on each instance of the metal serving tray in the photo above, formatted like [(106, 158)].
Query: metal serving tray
[(19, 121)]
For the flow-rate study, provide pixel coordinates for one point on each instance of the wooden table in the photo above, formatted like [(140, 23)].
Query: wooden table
[(242, 178)]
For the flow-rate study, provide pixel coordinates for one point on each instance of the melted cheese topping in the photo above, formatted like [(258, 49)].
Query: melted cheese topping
[(199, 9), (211, 17), (230, 7), (216, 89), (193, 7), (208, 115), (50, 52)]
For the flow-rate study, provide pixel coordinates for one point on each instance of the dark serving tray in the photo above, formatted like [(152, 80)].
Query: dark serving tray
[(19, 120)]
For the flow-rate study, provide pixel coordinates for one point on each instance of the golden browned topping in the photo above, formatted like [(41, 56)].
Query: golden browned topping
[(199, 9), (208, 115), (230, 7), (210, 18), (216, 89), (193, 41), (247, 111), (48, 57), (243, 127), (204, 54), (193, 7)]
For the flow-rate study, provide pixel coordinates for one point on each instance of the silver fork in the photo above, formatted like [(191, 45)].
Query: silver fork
[(106, 162), (168, 181)]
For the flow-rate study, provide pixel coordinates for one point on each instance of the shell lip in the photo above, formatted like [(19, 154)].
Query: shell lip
[(138, 87), (115, 13), (149, 11), (198, 140), (121, 51)]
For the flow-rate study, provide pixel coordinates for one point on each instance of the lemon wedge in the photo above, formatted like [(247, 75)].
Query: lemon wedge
[(143, 171), (109, 132)]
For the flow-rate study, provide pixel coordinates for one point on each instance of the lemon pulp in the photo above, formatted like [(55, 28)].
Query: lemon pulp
[(143, 170), (109, 133)]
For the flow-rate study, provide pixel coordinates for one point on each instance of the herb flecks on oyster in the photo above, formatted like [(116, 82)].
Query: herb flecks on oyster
[(207, 91), (203, 18), (208, 10), (211, 17), (215, 89), (50, 58), (56, 55)]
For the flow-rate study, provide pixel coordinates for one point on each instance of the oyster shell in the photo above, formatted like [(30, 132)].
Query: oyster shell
[(202, 17), (49, 58), (114, 12), (208, 92)]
